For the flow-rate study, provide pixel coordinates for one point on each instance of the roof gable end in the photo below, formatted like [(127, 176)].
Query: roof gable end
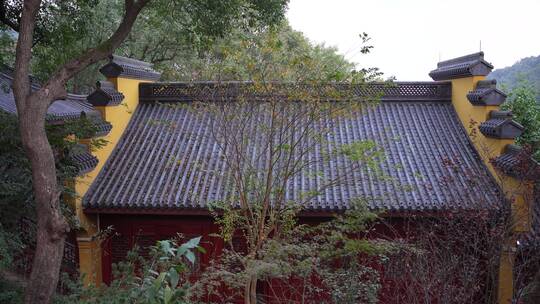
[(465, 66), (119, 66)]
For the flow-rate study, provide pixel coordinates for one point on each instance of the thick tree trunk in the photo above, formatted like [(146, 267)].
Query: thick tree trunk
[(51, 225), (32, 108)]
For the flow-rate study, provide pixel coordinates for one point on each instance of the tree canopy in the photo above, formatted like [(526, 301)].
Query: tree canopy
[(182, 50), (526, 69), (526, 111)]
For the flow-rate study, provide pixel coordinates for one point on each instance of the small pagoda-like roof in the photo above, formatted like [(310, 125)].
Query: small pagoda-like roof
[(105, 95), (465, 66), (486, 94), (518, 163), (119, 66), (82, 159), (501, 125)]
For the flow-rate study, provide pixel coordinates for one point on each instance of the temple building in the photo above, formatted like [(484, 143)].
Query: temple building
[(131, 185)]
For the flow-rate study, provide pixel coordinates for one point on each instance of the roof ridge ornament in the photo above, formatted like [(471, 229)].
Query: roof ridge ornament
[(105, 95), (125, 67), (486, 94), (517, 162), (501, 125), (82, 159), (461, 67)]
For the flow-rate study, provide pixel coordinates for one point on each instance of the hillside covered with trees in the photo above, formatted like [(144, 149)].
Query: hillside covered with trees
[(526, 69)]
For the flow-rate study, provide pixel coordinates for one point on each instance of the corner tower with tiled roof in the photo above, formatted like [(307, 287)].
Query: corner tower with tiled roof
[(477, 101), (116, 99)]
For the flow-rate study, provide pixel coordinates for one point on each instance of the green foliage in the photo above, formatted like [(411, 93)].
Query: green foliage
[(367, 152), (526, 110), (186, 48), (15, 190), (322, 263), (14, 168), (161, 279), (527, 69), (7, 46), (167, 33), (16, 197), (236, 57), (10, 293)]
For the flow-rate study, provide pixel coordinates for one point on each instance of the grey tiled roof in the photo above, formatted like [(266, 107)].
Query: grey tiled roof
[(465, 66), (69, 108), (517, 162), (105, 95), (501, 125), (431, 162), (73, 107), (129, 68), (102, 128), (82, 159), (486, 93)]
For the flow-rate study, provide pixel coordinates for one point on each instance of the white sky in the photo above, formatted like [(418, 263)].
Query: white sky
[(409, 36)]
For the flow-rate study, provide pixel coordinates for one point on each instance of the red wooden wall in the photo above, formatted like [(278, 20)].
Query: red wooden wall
[(146, 230)]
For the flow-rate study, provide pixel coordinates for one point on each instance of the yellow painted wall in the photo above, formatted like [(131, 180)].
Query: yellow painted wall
[(506, 283), (118, 116), (516, 191), (471, 115)]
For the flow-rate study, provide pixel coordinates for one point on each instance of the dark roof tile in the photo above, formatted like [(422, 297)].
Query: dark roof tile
[(65, 109), (517, 162), (72, 108), (102, 128)]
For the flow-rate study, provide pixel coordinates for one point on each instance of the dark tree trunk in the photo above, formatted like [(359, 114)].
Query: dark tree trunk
[(51, 225), (32, 107)]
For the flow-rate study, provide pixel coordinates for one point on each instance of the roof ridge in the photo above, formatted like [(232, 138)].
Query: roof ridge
[(214, 90), (462, 59)]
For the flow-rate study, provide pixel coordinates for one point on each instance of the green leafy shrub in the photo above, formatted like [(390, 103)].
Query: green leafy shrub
[(10, 293), (526, 110), (161, 279)]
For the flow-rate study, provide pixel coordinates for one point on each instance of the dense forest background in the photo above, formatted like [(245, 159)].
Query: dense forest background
[(525, 70)]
